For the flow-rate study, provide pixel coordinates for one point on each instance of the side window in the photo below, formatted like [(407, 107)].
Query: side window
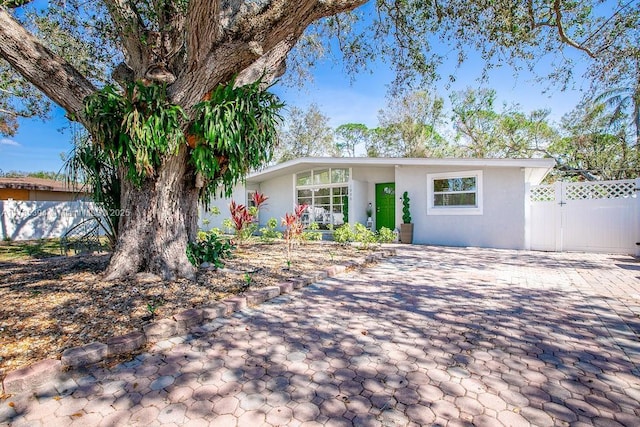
[(458, 193)]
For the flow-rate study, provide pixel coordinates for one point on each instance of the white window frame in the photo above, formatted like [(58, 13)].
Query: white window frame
[(313, 187), (455, 210)]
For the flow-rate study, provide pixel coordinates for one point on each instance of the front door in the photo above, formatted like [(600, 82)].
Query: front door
[(386, 205)]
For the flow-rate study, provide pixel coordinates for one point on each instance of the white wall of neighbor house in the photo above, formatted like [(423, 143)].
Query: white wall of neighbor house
[(501, 224), (30, 220)]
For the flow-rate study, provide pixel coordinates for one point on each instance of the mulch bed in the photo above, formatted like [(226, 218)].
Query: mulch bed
[(49, 305)]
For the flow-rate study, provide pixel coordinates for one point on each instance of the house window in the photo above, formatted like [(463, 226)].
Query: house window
[(458, 193), (325, 191)]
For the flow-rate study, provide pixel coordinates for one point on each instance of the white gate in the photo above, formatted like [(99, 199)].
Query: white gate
[(598, 216)]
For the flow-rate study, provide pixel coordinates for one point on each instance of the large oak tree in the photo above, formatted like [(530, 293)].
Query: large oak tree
[(187, 48)]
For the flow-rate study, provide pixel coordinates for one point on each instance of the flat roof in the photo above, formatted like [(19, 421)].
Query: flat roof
[(536, 169)]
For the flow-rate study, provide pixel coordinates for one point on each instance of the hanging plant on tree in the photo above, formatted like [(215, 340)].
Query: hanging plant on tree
[(232, 131)]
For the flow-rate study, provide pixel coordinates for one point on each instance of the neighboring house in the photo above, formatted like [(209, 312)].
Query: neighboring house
[(454, 202), (36, 189), (36, 208)]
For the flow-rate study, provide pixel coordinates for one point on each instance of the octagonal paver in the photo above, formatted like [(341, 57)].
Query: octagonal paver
[(434, 336)]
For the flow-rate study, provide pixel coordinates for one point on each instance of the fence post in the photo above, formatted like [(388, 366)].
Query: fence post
[(527, 216), (558, 214)]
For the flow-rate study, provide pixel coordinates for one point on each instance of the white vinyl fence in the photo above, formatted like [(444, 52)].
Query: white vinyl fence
[(29, 220), (598, 216)]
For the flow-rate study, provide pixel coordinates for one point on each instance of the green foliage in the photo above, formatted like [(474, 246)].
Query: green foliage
[(344, 234), (409, 127), (153, 305), (385, 235), (92, 169), (307, 134), (312, 234), (235, 131), (138, 128), (406, 213), (269, 233), (345, 208), (359, 233), (227, 225), (364, 236), (212, 249), (350, 136)]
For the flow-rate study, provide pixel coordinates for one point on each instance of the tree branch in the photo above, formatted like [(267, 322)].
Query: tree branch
[(50, 73), (246, 34), (203, 22), (563, 35), (130, 29), (270, 66)]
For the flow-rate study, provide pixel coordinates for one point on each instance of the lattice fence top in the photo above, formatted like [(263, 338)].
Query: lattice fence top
[(600, 190), (585, 191), (543, 193)]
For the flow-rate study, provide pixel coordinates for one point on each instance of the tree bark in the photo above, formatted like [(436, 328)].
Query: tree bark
[(158, 219)]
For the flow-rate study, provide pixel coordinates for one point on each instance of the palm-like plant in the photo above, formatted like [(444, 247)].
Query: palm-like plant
[(625, 102), (92, 170)]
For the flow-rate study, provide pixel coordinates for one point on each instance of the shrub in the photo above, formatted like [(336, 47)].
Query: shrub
[(343, 234), (212, 248), (406, 213), (269, 233), (313, 234), (363, 235), (386, 235), (293, 228), (242, 218)]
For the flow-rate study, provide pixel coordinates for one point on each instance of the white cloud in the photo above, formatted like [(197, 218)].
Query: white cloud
[(10, 142)]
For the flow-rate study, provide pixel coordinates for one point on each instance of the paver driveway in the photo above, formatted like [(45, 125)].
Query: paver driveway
[(434, 336)]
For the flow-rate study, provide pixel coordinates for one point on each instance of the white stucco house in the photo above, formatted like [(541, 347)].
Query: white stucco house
[(454, 202)]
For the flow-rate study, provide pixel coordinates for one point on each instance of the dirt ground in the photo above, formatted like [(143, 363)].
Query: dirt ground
[(49, 305)]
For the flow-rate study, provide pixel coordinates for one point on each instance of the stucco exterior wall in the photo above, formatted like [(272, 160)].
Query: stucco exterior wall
[(281, 198), (30, 220), (501, 225)]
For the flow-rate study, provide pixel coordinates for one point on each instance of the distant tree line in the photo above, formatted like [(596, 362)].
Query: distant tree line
[(598, 140)]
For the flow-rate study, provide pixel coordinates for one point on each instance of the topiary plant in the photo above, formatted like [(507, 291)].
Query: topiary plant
[(406, 214)]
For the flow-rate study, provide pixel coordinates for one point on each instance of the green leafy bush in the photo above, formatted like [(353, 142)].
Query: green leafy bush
[(312, 234), (385, 235), (212, 249), (343, 234), (364, 236), (269, 233)]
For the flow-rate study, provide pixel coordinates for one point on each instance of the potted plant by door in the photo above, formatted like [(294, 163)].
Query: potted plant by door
[(406, 228)]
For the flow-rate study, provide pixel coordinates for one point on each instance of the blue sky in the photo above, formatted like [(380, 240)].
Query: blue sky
[(38, 145)]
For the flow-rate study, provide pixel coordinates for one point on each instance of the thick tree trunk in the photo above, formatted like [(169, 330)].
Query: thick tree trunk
[(158, 220)]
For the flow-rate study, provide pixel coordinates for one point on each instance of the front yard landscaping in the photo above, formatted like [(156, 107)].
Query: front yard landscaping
[(51, 303)]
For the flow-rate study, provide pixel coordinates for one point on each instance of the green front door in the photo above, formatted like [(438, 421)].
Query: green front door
[(386, 205)]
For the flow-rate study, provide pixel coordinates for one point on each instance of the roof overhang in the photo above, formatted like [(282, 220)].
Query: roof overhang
[(534, 169)]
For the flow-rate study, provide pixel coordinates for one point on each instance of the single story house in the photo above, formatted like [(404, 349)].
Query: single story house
[(453, 202), (36, 190)]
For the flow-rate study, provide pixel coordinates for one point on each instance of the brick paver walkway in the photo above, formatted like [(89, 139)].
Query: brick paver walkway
[(434, 336)]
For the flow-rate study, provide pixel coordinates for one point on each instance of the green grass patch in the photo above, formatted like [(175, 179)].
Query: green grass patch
[(29, 249)]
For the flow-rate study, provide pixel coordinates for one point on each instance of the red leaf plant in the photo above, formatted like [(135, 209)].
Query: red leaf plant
[(293, 228), (243, 217)]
